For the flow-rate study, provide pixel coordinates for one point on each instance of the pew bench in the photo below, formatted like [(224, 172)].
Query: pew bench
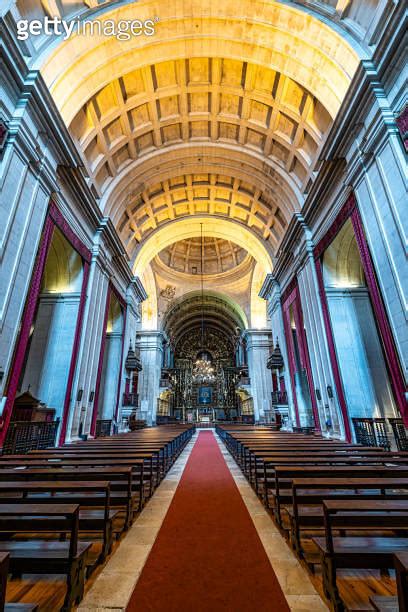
[(93, 498), (281, 494), (122, 496), (256, 456), (88, 460), (372, 550), (10, 607), (35, 556), (153, 461), (399, 603), (305, 513)]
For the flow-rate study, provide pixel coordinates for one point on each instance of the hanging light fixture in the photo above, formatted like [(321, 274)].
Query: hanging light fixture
[(203, 371)]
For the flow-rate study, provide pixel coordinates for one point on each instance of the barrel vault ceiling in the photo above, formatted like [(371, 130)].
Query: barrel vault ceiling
[(222, 112)]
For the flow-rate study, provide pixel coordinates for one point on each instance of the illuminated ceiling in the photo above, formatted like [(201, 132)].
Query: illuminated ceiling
[(205, 193), (211, 101), (218, 256), (222, 112), (200, 99)]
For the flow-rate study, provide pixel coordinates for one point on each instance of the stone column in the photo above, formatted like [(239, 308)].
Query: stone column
[(150, 345), (258, 346), (270, 291), (108, 394), (89, 349), (361, 362), (330, 414), (380, 189), (135, 294)]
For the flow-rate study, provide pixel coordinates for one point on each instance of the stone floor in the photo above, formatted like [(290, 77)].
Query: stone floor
[(114, 585)]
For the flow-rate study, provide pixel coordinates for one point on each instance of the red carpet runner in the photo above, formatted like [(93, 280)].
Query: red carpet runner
[(207, 555)]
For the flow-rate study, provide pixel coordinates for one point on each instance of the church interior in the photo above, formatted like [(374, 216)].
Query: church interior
[(203, 306)]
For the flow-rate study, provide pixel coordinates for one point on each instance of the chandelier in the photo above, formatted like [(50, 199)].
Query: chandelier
[(203, 370)]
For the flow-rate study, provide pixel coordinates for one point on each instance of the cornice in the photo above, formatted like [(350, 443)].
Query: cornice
[(84, 200), (330, 177), (295, 241), (244, 269), (32, 92), (137, 288), (267, 286), (367, 87)]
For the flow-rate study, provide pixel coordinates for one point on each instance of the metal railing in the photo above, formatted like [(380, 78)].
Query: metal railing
[(400, 433), (371, 432), (103, 428)]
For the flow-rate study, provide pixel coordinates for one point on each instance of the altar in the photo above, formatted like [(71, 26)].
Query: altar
[(201, 415)]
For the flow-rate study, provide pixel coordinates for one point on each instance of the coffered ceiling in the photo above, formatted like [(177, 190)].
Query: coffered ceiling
[(222, 112), (200, 99), (215, 255)]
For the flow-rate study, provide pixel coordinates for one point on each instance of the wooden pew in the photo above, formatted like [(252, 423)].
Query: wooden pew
[(102, 477), (154, 460), (120, 480), (93, 498), (264, 471), (399, 603), (10, 607), (401, 568), (39, 556), (306, 510), (286, 472), (289, 457), (123, 459), (373, 550)]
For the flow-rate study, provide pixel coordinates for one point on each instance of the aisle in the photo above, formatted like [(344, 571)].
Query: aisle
[(207, 556)]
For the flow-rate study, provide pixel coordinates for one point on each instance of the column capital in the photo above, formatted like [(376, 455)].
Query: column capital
[(269, 284), (147, 339), (257, 337)]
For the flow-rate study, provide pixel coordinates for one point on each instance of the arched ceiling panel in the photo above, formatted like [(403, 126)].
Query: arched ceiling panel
[(216, 255), (212, 226), (258, 79), (218, 312), (273, 34)]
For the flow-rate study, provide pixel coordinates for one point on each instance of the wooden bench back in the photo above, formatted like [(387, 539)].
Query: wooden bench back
[(363, 514), (42, 518)]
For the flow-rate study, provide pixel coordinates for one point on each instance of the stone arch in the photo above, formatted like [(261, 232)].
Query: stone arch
[(63, 269), (212, 227), (255, 96), (341, 262)]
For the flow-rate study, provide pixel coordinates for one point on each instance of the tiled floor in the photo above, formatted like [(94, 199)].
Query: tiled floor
[(114, 586)]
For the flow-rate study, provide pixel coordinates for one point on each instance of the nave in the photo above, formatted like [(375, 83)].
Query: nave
[(203, 305), (176, 518)]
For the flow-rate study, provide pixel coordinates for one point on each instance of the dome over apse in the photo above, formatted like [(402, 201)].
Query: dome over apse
[(218, 255)]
